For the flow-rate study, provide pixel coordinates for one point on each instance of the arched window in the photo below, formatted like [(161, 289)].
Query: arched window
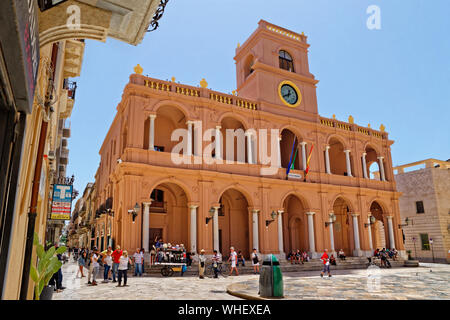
[(286, 61)]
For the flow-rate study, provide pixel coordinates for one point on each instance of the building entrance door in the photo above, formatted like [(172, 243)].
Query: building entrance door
[(154, 232)]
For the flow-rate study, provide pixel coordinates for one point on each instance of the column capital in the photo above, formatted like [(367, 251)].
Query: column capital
[(193, 205), (310, 213), (216, 205), (327, 147), (147, 203), (254, 210), (364, 154), (218, 127), (380, 158), (190, 122), (355, 214), (152, 116), (281, 211), (347, 151), (389, 217), (303, 143)]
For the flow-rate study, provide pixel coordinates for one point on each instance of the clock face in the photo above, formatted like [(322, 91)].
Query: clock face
[(289, 94)]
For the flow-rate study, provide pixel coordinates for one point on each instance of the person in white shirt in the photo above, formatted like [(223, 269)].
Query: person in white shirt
[(138, 259), (123, 268), (201, 264), (107, 263), (233, 259), (96, 267)]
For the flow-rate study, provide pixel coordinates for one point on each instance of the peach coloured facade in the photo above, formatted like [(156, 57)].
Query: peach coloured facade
[(272, 213)]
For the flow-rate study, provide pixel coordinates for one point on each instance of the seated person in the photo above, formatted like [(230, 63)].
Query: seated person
[(332, 260), (305, 256), (394, 254), (342, 254), (299, 256), (240, 258)]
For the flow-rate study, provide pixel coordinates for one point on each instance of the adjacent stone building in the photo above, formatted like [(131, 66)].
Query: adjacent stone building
[(425, 208)]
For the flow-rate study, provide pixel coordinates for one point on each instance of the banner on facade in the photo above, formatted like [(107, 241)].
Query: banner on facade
[(61, 202)]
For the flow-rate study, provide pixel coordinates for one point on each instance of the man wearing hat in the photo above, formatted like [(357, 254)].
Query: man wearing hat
[(201, 264)]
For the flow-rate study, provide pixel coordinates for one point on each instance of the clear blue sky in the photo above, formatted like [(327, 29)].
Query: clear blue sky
[(398, 76)]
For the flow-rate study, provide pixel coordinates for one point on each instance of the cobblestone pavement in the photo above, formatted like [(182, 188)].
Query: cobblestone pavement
[(430, 281), (146, 288)]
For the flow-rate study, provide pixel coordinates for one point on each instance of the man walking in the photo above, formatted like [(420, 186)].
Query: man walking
[(201, 264), (138, 258), (326, 263), (116, 260)]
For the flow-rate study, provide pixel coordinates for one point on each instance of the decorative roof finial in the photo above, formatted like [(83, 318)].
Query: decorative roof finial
[(334, 116), (173, 79), (351, 120), (138, 69), (203, 83), (382, 128)]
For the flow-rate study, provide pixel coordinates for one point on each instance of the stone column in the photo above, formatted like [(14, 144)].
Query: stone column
[(216, 228), (381, 162), (364, 164), (249, 148), (370, 232), (391, 232), (151, 141), (347, 160), (312, 244), (331, 233), (218, 143), (193, 233), (304, 155), (279, 152), (255, 226), (189, 137), (356, 235), (327, 159), (280, 232), (146, 226)]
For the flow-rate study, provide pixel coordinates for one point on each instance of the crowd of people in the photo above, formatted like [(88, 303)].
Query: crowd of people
[(117, 263)]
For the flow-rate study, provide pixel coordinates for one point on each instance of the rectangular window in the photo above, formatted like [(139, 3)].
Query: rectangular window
[(419, 207), (425, 241)]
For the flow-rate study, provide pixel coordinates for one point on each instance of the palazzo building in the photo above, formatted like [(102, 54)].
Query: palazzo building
[(205, 203), (425, 208)]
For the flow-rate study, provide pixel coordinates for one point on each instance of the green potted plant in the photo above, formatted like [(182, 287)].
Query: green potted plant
[(48, 265), (409, 254)]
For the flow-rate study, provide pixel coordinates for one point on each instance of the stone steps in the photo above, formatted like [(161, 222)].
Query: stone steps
[(286, 266)]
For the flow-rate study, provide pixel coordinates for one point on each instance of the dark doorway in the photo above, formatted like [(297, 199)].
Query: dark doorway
[(155, 233)]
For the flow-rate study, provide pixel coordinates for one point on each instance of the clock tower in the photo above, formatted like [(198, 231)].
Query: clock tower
[(272, 68)]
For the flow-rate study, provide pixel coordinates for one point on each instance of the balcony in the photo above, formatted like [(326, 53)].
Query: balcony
[(164, 160)]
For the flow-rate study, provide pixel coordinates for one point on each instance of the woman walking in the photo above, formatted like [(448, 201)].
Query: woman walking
[(81, 264), (123, 268), (255, 261), (96, 267)]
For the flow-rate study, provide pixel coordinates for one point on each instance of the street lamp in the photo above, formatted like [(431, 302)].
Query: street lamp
[(332, 218), (407, 221), (273, 215), (373, 220), (134, 211), (211, 213)]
